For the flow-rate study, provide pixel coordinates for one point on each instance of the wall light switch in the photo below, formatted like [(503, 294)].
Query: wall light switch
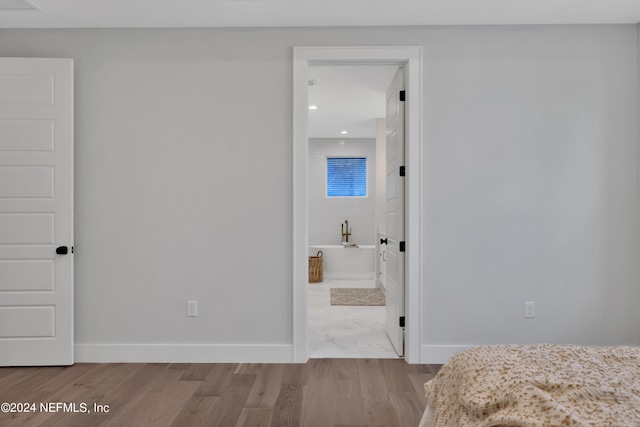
[(192, 308), (529, 309)]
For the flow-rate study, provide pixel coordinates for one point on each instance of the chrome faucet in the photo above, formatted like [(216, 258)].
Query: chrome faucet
[(345, 231)]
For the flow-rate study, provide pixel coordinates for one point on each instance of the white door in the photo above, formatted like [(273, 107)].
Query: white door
[(394, 280), (36, 211)]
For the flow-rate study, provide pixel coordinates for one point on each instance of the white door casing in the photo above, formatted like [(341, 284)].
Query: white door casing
[(411, 58), (36, 211), (394, 278)]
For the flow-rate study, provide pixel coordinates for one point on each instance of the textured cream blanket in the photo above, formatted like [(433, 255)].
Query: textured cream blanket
[(538, 385)]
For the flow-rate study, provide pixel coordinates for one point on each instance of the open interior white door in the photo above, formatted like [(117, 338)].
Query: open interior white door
[(36, 211), (394, 280)]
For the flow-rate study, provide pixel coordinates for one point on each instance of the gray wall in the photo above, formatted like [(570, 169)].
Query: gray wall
[(183, 184), (530, 185), (327, 214)]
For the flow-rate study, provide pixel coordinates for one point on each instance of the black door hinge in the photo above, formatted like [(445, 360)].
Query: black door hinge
[(402, 246), (402, 95), (402, 321), (402, 171)]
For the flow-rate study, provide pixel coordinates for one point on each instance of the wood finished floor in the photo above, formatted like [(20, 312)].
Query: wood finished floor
[(322, 392)]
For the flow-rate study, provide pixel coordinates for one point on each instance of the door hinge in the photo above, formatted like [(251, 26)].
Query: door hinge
[(402, 246), (402, 171), (402, 95), (402, 321)]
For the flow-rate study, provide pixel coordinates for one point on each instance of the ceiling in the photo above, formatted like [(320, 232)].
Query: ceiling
[(304, 13), (349, 98)]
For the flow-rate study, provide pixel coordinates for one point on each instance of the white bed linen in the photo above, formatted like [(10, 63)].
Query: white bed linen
[(537, 386)]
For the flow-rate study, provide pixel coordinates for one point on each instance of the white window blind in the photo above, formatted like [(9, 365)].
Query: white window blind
[(346, 177)]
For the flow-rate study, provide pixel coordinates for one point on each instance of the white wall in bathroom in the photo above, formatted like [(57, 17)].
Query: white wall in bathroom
[(326, 214)]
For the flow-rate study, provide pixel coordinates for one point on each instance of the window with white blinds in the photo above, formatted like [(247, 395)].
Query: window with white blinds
[(346, 177)]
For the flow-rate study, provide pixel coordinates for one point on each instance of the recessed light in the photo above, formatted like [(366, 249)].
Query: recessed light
[(344, 132), (313, 107)]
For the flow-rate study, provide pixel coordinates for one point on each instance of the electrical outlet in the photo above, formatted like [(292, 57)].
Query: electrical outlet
[(192, 308), (529, 309)]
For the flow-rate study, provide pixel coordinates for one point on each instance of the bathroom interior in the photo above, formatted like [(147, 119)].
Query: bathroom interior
[(347, 121)]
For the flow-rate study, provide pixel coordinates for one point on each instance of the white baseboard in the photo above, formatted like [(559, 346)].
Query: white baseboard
[(182, 353), (216, 353), (440, 354), (349, 276)]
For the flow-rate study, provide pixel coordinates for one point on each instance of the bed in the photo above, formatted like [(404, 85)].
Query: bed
[(535, 386)]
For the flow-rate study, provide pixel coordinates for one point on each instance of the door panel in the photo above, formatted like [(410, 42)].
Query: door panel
[(36, 211), (394, 279), (26, 228), (26, 275), (27, 322), (26, 87), (26, 135), (37, 181)]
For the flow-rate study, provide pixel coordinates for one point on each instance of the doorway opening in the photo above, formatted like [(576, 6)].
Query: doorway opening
[(410, 59), (347, 212)]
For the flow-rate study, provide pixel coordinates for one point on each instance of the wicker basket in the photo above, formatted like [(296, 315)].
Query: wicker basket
[(315, 268)]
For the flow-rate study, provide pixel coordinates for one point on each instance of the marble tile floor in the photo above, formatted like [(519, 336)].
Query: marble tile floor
[(345, 331)]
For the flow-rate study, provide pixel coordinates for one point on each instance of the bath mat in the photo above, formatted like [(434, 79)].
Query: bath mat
[(357, 296)]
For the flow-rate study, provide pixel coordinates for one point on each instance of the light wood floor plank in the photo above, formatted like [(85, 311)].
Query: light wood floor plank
[(66, 389), (288, 407), (255, 417), (379, 410), (317, 407), (265, 391), (160, 406), (197, 411), (408, 407), (230, 404), (216, 380), (196, 372), (320, 393)]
